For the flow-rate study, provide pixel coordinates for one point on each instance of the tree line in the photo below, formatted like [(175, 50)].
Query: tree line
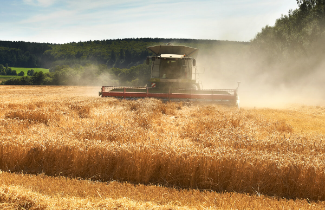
[(83, 63), (89, 74), (117, 53), (8, 71), (294, 43), (296, 33)]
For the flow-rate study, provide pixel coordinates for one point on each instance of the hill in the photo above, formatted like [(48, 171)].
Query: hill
[(119, 53), (96, 62)]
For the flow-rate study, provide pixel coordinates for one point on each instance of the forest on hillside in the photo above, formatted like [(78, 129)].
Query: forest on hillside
[(119, 61), (119, 53), (294, 47)]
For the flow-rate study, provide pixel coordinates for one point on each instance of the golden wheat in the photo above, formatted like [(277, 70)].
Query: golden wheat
[(23, 191), (60, 131)]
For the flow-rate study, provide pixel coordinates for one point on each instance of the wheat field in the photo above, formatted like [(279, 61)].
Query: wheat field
[(65, 147)]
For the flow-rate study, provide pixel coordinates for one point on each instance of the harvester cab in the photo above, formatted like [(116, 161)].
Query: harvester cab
[(172, 70), (173, 67)]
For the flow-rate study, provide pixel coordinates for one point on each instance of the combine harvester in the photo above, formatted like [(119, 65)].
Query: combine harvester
[(172, 73)]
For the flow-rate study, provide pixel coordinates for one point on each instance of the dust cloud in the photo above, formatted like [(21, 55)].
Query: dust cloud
[(263, 82), (91, 76), (275, 84), (94, 85)]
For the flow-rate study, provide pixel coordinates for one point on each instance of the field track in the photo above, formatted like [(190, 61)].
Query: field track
[(262, 157)]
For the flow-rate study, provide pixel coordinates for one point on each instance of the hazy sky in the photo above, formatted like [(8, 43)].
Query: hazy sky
[(62, 21)]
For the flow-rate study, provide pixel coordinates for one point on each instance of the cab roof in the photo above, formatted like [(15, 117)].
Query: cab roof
[(174, 50), (171, 56)]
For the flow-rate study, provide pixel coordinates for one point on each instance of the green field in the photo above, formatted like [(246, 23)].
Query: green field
[(18, 69)]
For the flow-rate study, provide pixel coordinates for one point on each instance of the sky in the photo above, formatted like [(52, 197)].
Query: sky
[(64, 21)]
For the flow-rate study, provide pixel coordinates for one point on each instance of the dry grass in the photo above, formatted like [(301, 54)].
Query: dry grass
[(60, 131)]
